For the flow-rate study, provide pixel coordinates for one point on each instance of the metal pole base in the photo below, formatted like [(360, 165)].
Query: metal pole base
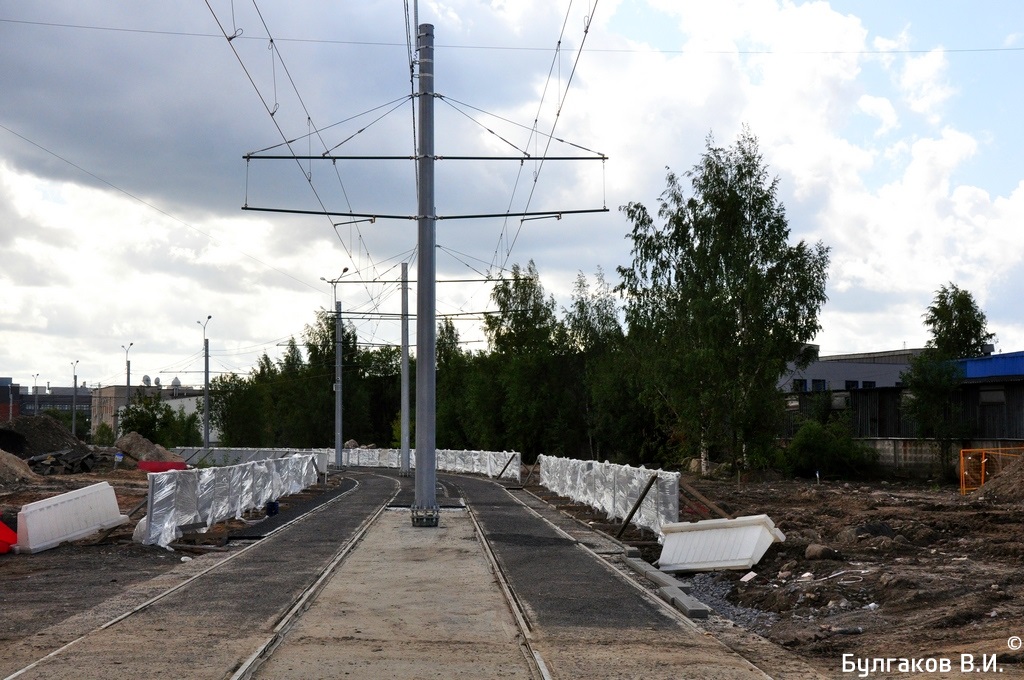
[(425, 517)]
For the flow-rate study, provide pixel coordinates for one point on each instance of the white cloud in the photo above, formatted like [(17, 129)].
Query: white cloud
[(923, 84), (882, 109), (871, 148)]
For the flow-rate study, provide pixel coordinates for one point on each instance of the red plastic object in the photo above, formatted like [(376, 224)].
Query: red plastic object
[(161, 465), (7, 538)]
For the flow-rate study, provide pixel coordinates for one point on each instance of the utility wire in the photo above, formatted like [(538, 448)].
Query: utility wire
[(271, 111), (517, 48), (554, 124)]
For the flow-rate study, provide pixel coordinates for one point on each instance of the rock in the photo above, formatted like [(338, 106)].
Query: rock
[(137, 447), (875, 529), (816, 551), (351, 444), (880, 543), (847, 536)]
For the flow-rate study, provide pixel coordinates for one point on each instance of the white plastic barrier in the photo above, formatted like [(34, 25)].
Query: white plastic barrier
[(206, 496), (48, 523), (717, 543), (489, 463), (614, 489)]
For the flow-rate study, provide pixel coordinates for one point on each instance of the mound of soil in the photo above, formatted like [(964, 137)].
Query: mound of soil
[(41, 434), (1008, 486), (14, 470)]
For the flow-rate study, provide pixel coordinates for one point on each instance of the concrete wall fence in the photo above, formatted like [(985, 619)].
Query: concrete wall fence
[(614, 489), (918, 458)]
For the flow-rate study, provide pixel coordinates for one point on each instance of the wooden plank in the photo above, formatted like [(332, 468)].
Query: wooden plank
[(700, 497)]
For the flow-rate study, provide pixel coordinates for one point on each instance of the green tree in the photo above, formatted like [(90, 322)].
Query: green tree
[(155, 420), (523, 336), (235, 410), (82, 422), (958, 326), (104, 435), (718, 301), (932, 382), (958, 329), (452, 375), (602, 386), (143, 414)]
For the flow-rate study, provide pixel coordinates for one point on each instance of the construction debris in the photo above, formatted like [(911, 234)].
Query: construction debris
[(68, 461)]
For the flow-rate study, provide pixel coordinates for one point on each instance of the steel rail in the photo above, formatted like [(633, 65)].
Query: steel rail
[(288, 620), (173, 589)]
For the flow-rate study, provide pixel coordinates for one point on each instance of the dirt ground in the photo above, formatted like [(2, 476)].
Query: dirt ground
[(915, 570), (910, 569)]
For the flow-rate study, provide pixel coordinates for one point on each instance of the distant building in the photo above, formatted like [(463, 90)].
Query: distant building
[(19, 400), (108, 401), (10, 400), (842, 372)]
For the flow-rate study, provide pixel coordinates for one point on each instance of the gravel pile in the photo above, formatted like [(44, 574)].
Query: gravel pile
[(713, 590)]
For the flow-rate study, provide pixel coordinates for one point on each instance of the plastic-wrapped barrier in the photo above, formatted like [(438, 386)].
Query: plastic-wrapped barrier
[(489, 463), (222, 456), (613, 489), (180, 498)]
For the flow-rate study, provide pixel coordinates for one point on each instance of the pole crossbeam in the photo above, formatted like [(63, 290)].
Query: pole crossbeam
[(326, 157), (331, 213)]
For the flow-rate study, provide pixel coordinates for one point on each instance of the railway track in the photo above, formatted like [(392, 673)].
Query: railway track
[(350, 588)]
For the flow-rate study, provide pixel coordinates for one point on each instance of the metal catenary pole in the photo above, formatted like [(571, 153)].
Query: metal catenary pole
[(74, 398), (338, 345), (425, 510), (206, 391), (405, 370)]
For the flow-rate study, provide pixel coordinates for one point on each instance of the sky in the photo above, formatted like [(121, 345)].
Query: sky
[(893, 129)]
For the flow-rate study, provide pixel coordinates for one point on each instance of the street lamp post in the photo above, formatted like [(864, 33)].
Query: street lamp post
[(206, 383), (74, 396), (338, 337), (127, 374)]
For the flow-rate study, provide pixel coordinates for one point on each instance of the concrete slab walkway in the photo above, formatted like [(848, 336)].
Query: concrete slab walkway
[(407, 603)]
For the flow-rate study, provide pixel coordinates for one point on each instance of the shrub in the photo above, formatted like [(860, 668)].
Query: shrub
[(828, 450)]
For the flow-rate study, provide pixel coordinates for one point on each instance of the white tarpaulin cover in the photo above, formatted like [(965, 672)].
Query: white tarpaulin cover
[(235, 456), (488, 463), (614, 489), (189, 497)]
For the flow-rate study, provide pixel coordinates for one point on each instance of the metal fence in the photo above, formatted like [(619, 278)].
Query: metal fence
[(979, 465)]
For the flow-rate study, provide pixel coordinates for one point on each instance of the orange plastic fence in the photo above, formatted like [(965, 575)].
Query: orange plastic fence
[(979, 465)]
